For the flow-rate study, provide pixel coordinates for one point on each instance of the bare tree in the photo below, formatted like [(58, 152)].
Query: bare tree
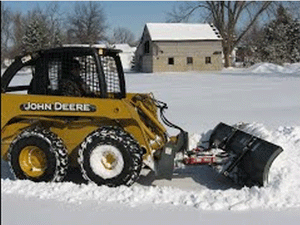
[(226, 16), (18, 31), (54, 20), (5, 31), (248, 45), (87, 23), (122, 35), (293, 7)]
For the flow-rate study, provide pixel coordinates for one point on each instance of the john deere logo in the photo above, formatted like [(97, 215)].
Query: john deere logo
[(58, 106)]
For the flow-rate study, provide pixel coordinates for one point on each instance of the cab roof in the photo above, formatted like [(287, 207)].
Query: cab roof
[(83, 49)]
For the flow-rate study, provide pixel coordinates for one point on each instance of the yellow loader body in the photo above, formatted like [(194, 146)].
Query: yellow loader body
[(74, 111), (73, 118)]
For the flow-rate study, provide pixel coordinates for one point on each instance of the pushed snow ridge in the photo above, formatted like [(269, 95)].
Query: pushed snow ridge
[(281, 192), (273, 68)]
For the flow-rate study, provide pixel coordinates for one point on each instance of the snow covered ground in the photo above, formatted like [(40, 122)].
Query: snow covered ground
[(266, 96)]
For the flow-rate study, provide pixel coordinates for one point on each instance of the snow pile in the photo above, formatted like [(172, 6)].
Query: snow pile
[(266, 69), (284, 174), (284, 177), (273, 68), (281, 192)]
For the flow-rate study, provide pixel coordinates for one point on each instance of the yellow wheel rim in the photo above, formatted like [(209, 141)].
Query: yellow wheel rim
[(33, 161), (109, 161)]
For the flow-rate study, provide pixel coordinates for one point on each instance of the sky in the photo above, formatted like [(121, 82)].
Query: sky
[(129, 14)]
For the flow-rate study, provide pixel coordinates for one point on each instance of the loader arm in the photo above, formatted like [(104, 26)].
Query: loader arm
[(164, 147)]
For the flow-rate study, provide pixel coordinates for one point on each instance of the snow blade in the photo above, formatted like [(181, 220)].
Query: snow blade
[(165, 164), (253, 156)]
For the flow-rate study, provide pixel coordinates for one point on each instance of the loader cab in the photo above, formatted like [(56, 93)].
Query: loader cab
[(67, 71)]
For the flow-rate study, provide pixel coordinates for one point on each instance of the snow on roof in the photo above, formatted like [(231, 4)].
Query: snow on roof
[(182, 31), (87, 45), (124, 47)]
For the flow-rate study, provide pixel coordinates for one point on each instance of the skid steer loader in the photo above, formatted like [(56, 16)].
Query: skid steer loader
[(73, 111)]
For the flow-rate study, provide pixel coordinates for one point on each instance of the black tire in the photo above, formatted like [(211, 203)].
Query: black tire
[(114, 144), (44, 145)]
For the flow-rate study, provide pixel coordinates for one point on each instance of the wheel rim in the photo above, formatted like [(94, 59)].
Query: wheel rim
[(33, 161), (106, 161)]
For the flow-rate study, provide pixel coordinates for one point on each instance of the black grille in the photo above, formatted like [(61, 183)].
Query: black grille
[(53, 68), (79, 72), (111, 75), (78, 69), (88, 72)]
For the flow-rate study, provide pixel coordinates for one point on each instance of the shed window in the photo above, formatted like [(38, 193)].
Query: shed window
[(171, 61), (207, 60), (147, 47), (189, 60), (217, 53)]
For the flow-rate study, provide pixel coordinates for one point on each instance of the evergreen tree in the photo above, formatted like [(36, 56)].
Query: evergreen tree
[(36, 36), (281, 40), (294, 42), (133, 63)]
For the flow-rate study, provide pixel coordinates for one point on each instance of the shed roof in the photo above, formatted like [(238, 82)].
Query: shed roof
[(182, 31)]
